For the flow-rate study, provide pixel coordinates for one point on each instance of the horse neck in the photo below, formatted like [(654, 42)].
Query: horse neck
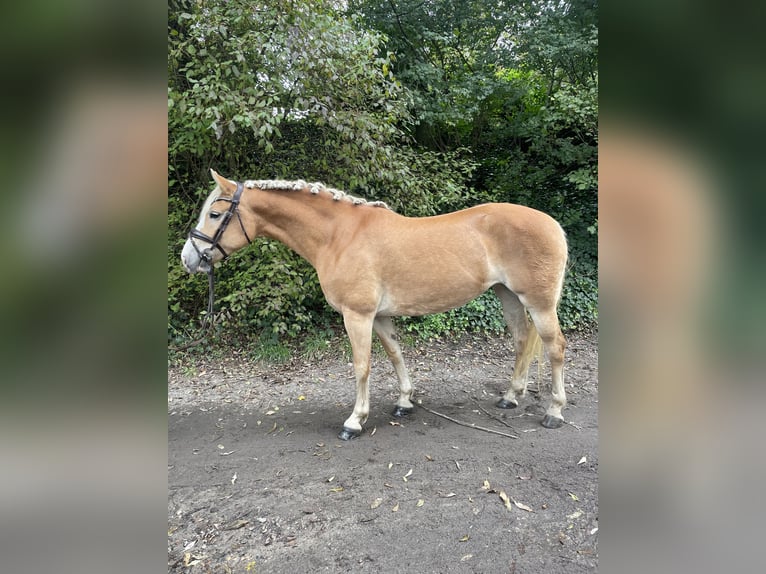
[(304, 223)]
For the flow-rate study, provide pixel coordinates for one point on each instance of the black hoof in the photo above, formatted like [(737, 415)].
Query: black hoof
[(400, 412), (550, 422), (348, 434), (505, 404)]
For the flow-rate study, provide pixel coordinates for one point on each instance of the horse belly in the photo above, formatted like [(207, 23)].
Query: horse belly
[(431, 289), (393, 305)]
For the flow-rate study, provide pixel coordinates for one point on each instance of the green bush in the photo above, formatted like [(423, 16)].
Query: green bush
[(481, 315)]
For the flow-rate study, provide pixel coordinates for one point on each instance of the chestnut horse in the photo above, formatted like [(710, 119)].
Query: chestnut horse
[(374, 264)]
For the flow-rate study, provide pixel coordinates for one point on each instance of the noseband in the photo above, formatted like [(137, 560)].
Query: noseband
[(206, 255)]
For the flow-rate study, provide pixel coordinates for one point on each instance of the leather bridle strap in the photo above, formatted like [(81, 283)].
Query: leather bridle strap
[(215, 240)]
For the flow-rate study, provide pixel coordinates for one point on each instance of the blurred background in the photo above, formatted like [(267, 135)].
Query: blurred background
[(681, 267), (83, 292), (82, 286)]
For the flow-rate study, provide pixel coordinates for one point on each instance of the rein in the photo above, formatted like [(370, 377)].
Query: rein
[(206, 256), (207, 321)]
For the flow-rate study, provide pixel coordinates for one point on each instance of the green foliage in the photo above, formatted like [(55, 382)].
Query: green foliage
[(287, 85), (269, 349), (318, 343), (431, 107), (579, 302), (282, 302), (482, 315)]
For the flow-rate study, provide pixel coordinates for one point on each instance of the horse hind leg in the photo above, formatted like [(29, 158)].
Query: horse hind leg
[(547, 324), (526, 345), (384, 328)]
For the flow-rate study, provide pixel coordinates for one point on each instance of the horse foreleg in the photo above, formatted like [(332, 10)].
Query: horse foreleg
[(384, 327), (359, 329)]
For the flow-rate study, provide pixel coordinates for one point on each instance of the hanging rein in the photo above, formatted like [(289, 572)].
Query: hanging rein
[(207, 256)]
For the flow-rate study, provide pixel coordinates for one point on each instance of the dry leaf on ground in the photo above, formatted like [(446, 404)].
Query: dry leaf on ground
[(521, 505), (505, 499)]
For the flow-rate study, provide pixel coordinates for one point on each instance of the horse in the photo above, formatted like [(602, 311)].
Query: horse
[(374, 264)]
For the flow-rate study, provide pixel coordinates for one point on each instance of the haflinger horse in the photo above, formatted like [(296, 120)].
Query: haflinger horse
[(374, 264)]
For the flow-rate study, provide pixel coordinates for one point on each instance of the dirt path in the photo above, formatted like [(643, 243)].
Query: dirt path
[(258, 481)]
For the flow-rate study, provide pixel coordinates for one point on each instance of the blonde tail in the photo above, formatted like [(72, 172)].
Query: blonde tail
[(532, 349)]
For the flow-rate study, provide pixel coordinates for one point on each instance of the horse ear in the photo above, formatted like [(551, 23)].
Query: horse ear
[(223, 183)]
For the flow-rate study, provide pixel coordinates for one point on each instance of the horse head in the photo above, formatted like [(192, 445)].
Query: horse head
[(213, 239)]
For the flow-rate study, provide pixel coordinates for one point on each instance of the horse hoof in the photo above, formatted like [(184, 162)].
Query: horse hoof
[(400, 412), (347, 433), (550, 422), (505, 404)]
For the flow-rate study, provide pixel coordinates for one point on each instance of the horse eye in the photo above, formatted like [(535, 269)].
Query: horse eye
[(215, 215)]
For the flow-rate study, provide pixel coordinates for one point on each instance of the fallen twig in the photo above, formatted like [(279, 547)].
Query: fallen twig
[(573, 425), (469, 425), (490, 415)]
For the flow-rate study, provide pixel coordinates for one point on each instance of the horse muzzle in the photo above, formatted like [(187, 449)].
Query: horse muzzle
[(195, 260)]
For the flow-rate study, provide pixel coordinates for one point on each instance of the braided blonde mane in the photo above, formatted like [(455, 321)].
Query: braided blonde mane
[(315, 188)]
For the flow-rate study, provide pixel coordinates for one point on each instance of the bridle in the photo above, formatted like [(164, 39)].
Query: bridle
[(206, 255)]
